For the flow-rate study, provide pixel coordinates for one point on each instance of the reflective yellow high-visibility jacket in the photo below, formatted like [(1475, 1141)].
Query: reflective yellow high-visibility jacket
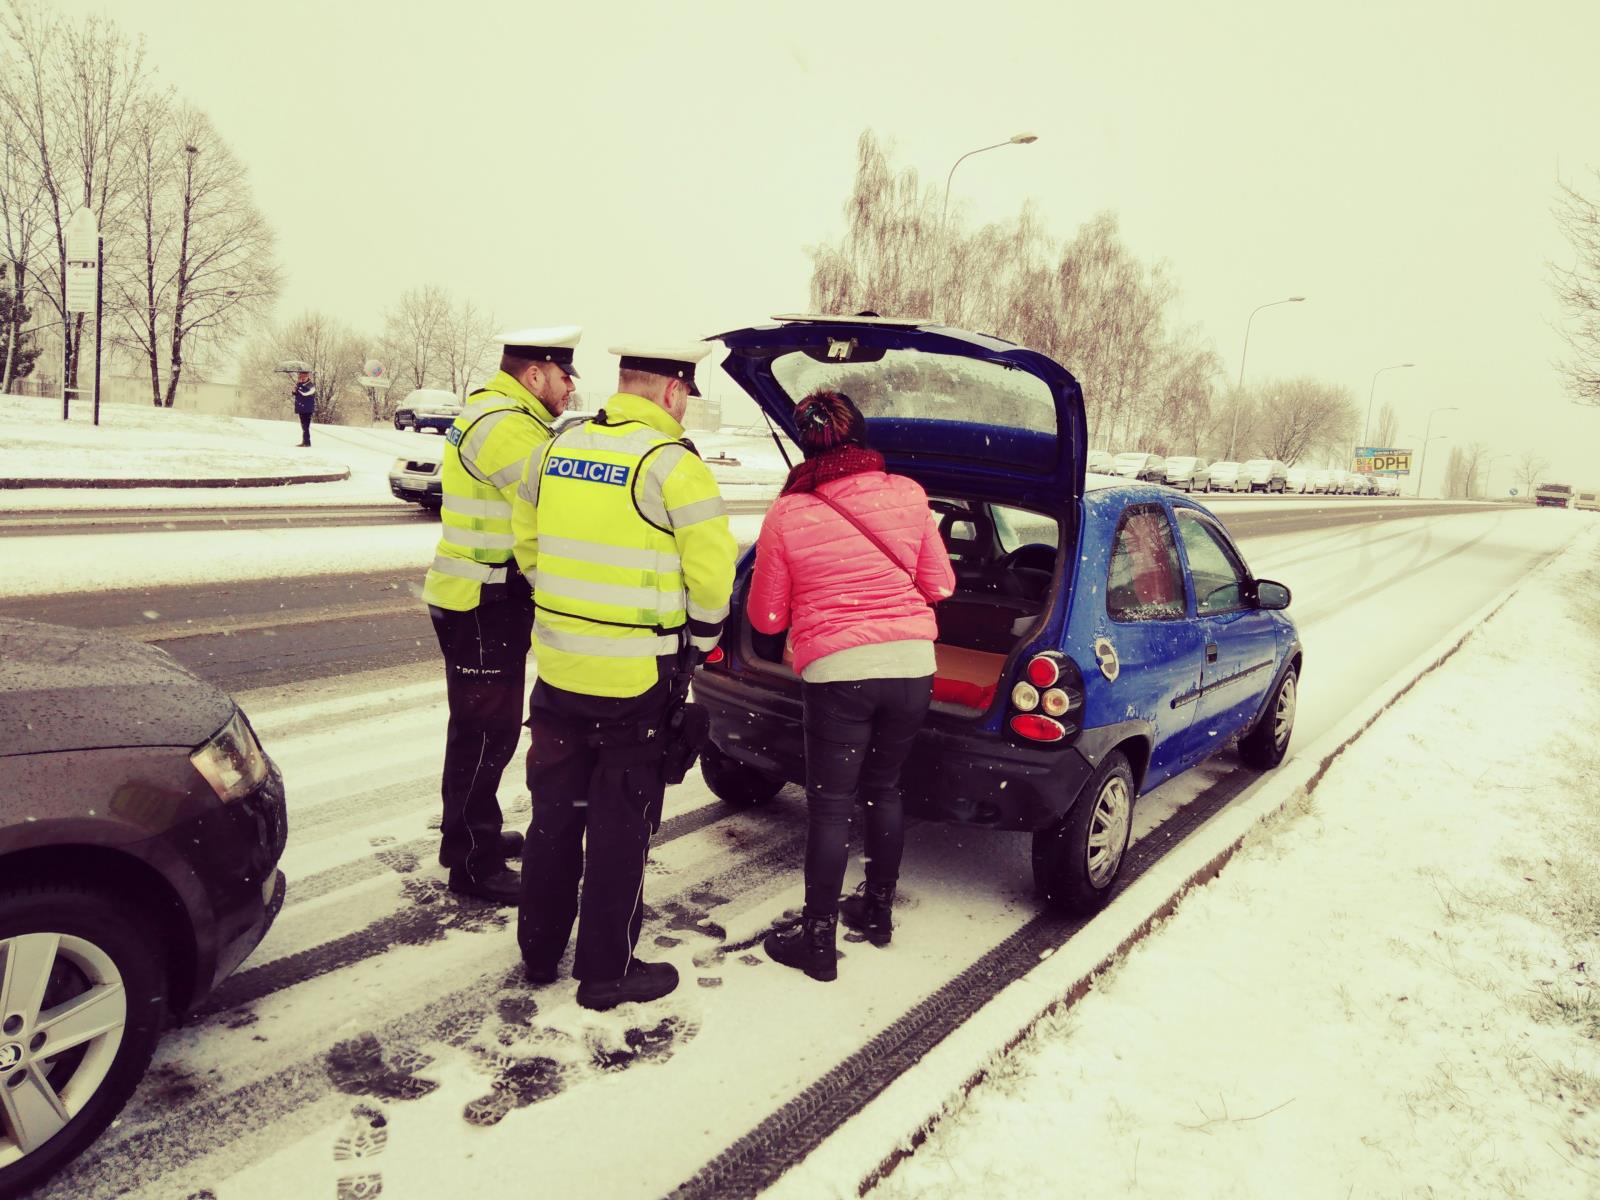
[(485, 452), (621, 531)]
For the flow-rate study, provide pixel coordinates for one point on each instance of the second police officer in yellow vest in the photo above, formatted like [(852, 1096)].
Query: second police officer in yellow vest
[(621, 533), (480, 604)]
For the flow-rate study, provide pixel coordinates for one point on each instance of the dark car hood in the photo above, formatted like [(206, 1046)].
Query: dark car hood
[(75, 689), (958, 411)]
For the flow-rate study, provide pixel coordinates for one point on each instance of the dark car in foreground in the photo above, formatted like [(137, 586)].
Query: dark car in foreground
[(140, 829), (1103, 637)]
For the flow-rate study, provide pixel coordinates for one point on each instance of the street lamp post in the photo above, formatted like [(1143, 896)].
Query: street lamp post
[(1423, 465), (1366, 429), (1233, 437), (1013, 140)]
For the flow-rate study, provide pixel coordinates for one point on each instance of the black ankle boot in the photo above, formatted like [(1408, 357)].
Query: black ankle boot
[(808, 947), (868, 912)]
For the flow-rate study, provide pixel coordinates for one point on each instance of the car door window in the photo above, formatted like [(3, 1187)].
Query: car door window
[(1146, 579), (1219, 576)]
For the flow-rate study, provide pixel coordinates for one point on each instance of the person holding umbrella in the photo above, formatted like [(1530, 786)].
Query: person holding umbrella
[(305, 403)]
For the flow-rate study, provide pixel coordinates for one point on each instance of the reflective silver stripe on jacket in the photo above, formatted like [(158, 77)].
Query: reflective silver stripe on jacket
[(646, 599), (661, 562), (463, 507), (462, 569), (480, 538), (635, 441), (707, 644), (708, 615), (603, 646), (507, 474), (648, 494), (692, 514), (480, 434)]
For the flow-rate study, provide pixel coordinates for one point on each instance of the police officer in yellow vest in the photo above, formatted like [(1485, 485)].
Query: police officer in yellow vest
[(621, 531), (480, 603)]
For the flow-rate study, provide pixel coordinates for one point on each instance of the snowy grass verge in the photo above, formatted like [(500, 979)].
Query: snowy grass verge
[(1096, 1133)]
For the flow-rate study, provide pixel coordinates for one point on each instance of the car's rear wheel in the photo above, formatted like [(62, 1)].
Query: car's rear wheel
[(735, 783), (1076, 861), (82, 998), (1265, 745)]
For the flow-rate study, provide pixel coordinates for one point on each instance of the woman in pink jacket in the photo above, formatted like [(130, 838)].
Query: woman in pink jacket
[(850, 562)]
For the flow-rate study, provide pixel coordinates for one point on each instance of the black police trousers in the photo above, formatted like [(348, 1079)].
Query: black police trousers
[(595, 773), (485, 661), (858, 734)]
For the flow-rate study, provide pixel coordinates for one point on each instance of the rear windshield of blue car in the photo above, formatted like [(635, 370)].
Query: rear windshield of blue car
[(938, 404)]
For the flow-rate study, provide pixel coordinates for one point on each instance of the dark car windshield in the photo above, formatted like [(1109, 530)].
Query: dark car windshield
[(1019, 527)]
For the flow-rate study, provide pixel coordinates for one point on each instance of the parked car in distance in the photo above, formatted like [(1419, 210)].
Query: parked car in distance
[(1298, 481), (428, 408), (1100, 462), (141, 824), (1265, 474), (1188, 473), (1319, 480), (1226, 477), (414, 476), (1387, 485), (1135, 464), (1587, 501), (1104, 635)]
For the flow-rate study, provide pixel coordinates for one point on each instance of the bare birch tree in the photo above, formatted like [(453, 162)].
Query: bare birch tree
[(22, 215), (416, 337), (74, 90), (1387, 426), (1577, 288), (467, 347), (1529, 469), (198, 261), (1299, 415)]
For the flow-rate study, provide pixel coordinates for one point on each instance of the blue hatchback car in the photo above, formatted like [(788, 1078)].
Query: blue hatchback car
[(1101, 640)]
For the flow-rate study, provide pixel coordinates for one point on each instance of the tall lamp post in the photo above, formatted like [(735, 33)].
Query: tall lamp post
[(1233, 437), (1366, 429), (944, 212), (1423, 465)]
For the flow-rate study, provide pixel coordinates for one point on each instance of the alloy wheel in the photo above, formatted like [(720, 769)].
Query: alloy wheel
[(1283, 716), (63, 1011), (1108, 830)]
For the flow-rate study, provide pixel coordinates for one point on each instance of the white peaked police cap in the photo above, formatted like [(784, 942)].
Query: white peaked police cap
[(552, 344), (675, 360)]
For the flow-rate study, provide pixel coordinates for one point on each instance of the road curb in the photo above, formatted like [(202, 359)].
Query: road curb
[(229, 482), (901, 1117)]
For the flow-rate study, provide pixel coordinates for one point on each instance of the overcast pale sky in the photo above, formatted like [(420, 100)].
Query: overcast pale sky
[(656, 170)]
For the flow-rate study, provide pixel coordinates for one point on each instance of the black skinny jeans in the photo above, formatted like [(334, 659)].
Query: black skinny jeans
[(858, 735)]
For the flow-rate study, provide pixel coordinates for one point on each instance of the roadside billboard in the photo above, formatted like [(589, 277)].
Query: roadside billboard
[(1381, 460)]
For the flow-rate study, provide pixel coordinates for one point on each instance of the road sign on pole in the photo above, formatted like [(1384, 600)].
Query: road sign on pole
[(82, 288)]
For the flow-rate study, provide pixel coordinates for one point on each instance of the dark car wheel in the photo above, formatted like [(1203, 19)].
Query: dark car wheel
[(1076, 861), (734, 782), (399, 424), (82, 998), (1265, 745)]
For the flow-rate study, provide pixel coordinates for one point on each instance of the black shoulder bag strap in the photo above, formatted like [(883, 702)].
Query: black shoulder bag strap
[(878, 542)]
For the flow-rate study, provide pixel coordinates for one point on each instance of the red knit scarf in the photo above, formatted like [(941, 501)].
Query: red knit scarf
[(809, 475)]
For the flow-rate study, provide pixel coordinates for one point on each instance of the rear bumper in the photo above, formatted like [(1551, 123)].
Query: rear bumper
[(416, 488), (957, 775)]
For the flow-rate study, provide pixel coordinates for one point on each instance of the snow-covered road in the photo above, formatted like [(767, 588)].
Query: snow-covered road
[(379, 997)]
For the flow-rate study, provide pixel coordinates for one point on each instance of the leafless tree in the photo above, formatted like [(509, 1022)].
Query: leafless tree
[(1387, 426), (1187, 372), (74, 91), (416, 338), (22, 215), (467, 348), (198, 261), (1577, 288), (1298, 415), (1464, 466), (1529, 469), (335, 354)]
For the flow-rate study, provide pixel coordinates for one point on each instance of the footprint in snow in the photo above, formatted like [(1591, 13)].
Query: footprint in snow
[(361, 1138)]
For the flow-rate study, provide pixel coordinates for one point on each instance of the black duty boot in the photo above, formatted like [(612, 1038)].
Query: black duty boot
[(868, 912), (510, 844), (644, 981), (499, 887), (808, 947)]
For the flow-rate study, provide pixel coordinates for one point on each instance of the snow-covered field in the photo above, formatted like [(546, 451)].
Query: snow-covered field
[(376, 993), (1390, 992)]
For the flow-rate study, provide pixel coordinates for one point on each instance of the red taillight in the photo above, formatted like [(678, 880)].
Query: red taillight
[(715, 656), (1043, 671), (1036, 728)]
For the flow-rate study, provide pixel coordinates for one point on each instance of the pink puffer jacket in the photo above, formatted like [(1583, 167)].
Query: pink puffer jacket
[(818, 576)]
